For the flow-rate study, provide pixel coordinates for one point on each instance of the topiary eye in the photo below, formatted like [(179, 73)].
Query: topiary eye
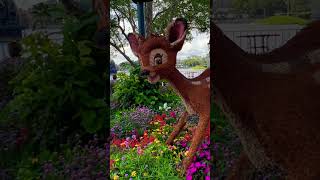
[(158, 59)]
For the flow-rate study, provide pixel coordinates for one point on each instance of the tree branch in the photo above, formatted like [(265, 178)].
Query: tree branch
[(122, 53), (119, 26), (158, 14)]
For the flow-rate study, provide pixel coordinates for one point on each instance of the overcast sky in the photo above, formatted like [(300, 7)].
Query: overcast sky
[(197, 47)]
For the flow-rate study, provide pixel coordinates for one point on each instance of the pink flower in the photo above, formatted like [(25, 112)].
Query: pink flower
[(202, 154), (134, 137), (207, 177), (198, 165), (139, 150), (207, 170), (126, 143), (189, 177), (192, 170), (172, 114), (191, 165)]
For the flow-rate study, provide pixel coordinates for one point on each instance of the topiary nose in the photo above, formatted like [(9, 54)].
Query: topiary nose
[(144, 73)]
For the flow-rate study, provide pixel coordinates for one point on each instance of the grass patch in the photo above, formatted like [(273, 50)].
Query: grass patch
[(282, 20)]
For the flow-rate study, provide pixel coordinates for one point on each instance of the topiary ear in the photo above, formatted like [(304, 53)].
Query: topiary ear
[(176, 33), (135, 41)]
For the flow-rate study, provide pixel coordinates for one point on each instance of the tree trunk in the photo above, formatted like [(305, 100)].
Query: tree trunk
[(148, 18)]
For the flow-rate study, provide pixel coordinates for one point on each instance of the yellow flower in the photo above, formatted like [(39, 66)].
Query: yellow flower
[(34, 160), (186, 153), (156, 141), (115, 177), (134, 173), (145, 174)]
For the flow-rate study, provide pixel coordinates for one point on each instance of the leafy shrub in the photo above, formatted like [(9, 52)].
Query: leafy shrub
[(133, 90), (61, 89)]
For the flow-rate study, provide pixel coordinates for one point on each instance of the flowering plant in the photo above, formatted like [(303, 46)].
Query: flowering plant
[(148, 156)]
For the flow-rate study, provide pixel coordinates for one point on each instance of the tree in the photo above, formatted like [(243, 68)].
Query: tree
[(123, 19), (195, 61), (269, 7), (255, 7)]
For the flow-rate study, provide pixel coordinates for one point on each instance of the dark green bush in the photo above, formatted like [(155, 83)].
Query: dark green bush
[(133, 90), (61, 89)]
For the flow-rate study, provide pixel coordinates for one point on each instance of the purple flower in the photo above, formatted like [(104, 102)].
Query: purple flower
[(202, 154), (207, 177), (192, 170), (126, 175), (204, 146), (198, 165), (183, 144), (191, 165), (207, 170), (126, 143)]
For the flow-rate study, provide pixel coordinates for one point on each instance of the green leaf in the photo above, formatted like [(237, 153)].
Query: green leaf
[(89, 121)]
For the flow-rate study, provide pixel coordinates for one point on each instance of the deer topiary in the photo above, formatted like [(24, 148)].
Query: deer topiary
[(157, 55), (272, 101)]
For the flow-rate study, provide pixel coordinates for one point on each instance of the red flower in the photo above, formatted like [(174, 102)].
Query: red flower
[(187, 137), (163, 116), (116, 142), (172, 114)]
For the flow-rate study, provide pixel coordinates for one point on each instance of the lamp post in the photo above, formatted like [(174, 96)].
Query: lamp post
[(140, 13)]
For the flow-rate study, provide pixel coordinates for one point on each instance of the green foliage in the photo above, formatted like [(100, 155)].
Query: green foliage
[(124, 66), (157, 162), (282, 20), (61, 88), (269, 7), (133, 90), (195, 61), (196, 12)]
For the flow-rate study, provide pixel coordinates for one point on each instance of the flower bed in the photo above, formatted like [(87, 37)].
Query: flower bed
[(147, 156)]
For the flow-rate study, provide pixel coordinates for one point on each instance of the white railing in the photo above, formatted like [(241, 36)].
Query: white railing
[(190, 73)]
